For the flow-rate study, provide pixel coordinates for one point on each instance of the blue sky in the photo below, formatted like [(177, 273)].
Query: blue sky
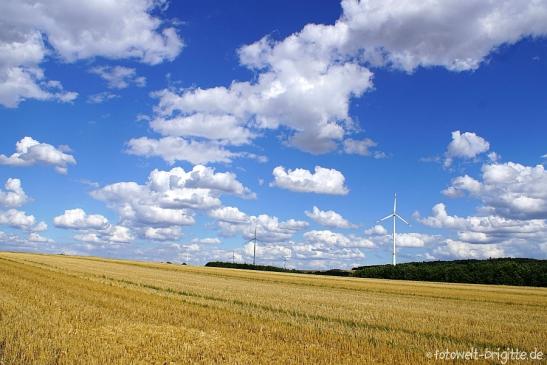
[(180, 131)]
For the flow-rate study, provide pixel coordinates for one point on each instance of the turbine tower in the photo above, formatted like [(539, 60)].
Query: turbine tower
[(286, 258), (394, 215), (254, 246)]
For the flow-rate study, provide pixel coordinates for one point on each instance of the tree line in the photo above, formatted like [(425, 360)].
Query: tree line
[(499, 271)]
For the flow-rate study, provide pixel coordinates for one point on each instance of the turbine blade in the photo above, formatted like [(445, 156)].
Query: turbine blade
[(395, 204), (383, 219), (401, 218)]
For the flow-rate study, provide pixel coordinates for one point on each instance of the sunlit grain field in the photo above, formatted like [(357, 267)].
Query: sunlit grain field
[(69, 310)]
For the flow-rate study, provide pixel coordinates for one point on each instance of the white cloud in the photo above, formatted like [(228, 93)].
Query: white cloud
[(119, 77), (232, 221), (111, 29), (304, 83), (169, 198), (206, 241), (113, 235), (35, 237), (454, 249), (229, 215), (491, 229), (200, 177), (14, 196), (377, 230), (507, 189), (20, 220), (414, 239), (137, 205), (163, 234), (322, 90), (461, 184), (321, 181), (101, 97), (29, 152), (266, 252), (326, 237), (325, 255), (458, 35), (93, 228), (222, 128), (378, 234), (362, 147), (465, 145), (328, 218), (33, 241), (78, 219), (173, 149)]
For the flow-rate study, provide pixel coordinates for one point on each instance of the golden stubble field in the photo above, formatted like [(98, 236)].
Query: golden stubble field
[(84, 310)]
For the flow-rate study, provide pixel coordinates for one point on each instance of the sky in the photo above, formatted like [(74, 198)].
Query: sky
[(171, 131)]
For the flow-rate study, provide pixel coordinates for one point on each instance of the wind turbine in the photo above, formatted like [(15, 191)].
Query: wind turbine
[(394, 215), (254, 246), (286, 258)]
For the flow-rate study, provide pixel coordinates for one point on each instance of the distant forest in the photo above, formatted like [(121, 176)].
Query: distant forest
[(502, 271)]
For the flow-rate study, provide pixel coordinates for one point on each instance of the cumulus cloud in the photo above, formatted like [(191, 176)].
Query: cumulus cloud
[(78, 219), (113, 235), (173, 149), (454, 249), (305, 82), (14, 196), (31, 30), (319, 249), (31, 242), (330, 238), (203, 177), (328, 218), (321, 255), (267, 252), (460, 185), (222, 128), (362, 147), (412, 239), (379, 235), (206, 241), (231, 221), (169, 199), (377, 230), (453, 34), (93, 228), (18, 219), (507, 189), (35, 237), (163, 234), (321, 181), (29, 151), (119, 77), (465, 145), (513, 234)]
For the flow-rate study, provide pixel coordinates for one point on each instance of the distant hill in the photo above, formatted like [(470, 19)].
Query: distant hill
[(503, 271)]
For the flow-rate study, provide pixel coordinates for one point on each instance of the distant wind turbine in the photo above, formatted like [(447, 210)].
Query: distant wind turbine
[(286, 258), (254, 246), (394, 215)]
